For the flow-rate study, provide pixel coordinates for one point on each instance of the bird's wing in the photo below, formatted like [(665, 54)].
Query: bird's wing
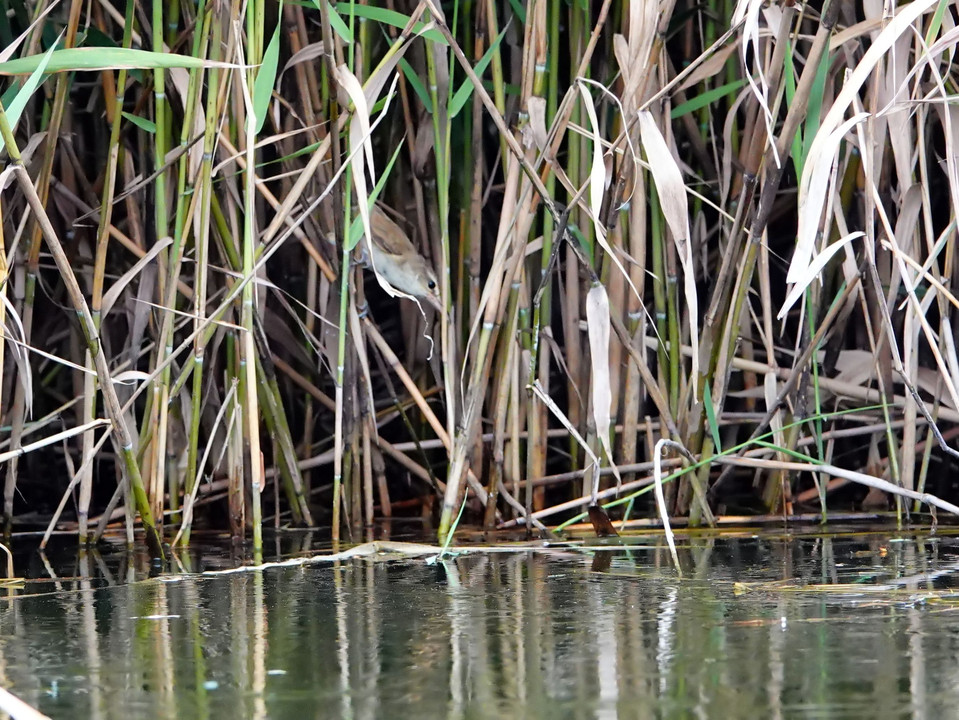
[(389, 235)]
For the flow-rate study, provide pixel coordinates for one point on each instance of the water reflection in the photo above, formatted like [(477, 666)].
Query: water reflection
[(771, 628)]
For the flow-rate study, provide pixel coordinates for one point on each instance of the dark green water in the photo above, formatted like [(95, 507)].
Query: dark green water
[(756, 628)]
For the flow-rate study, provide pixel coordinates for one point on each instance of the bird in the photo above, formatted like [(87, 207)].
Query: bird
[(398, 261)]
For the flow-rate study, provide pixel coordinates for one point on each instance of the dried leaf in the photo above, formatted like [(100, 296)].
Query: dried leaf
[(597, 325), (747, 12), (813, 194), (304, 54), (709, 68), (672, 199), (811, 271), (110, 296), (811, 185)]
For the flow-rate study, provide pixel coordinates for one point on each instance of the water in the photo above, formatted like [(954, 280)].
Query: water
[(757, 627)]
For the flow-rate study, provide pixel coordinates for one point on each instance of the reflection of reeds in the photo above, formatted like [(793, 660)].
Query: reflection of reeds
[(606, 195), (489, 633)]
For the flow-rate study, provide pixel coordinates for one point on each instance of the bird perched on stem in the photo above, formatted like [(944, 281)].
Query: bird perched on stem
[(399, 263)]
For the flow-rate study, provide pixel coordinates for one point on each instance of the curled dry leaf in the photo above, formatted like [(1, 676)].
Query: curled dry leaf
[(709, 68), (111, 296), (811, 271), (304, 54), (597, 324), (748, 12)]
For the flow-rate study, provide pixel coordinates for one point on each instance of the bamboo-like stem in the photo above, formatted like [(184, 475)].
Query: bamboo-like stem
[(161, 146), (236, 501), (530, 325), (100, 259), (572, 295), (500, 401), (203, 187), (276, 418), (333, 54), (439, 84), (345, 298), (247, 349), (660, 309), (308, 85), (499, 83), (546, 83)]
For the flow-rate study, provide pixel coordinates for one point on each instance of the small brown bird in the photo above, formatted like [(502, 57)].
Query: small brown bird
[(395, 258)]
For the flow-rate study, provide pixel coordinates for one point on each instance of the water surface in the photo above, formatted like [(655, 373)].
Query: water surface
[(757, 627)]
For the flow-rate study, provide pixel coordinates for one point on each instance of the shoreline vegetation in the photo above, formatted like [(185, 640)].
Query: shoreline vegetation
[(510, 264)]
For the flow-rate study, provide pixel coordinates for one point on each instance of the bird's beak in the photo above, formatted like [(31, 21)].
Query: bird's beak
[(435, 302)]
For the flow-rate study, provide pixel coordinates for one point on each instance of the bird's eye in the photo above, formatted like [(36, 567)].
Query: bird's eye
[(431, 285)]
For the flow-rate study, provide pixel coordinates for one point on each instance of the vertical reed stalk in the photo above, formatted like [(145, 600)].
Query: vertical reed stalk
[(161, 146), (114, 115), (203, 187), (247, 350), (438, 75)]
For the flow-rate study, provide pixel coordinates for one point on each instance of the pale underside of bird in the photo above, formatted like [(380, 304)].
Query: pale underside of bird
[(398, 261)]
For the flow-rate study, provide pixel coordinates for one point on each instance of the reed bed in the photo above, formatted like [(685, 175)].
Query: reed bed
[(712, 240)]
